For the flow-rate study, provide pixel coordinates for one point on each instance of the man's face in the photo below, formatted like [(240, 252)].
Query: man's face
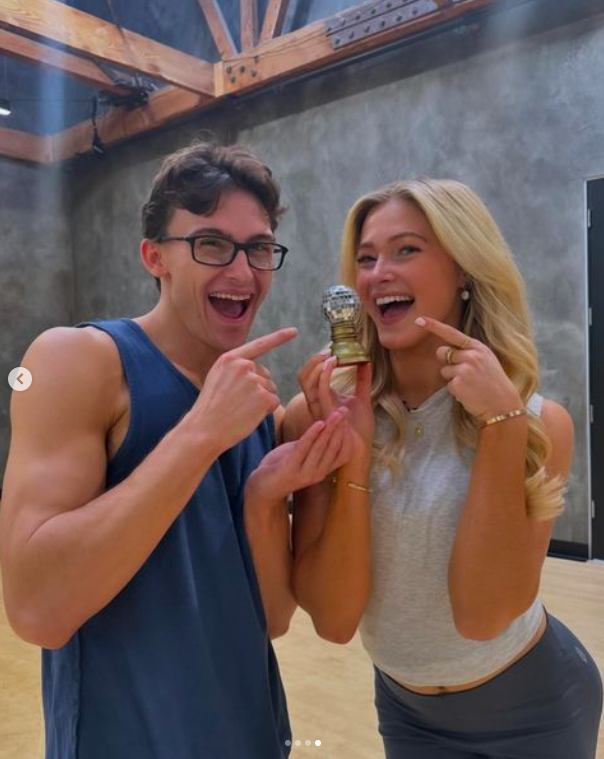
[(217, 304)]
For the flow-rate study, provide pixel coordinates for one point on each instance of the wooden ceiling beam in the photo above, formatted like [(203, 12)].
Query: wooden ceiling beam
[(218, 28), (93, 37), (273, 19), (37, 54), (120, 123), (306, 49), (316, 46), (249, 24), (24, 146)]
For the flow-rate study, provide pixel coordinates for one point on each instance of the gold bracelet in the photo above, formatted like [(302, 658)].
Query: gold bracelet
[(352, 485), (502, 417), (356, 486)]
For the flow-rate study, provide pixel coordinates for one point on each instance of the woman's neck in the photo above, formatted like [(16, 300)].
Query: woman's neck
[(417, 373)]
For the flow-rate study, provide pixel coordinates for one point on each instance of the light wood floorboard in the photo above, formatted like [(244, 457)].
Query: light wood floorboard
[(329, 687)]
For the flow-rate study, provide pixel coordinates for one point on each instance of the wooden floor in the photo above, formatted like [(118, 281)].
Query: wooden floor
[(329, 687)]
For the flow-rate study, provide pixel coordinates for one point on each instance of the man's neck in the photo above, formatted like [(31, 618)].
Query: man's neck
[(187, 353)]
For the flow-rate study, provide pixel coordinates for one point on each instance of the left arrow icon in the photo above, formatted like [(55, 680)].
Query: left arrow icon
[(20, 379)]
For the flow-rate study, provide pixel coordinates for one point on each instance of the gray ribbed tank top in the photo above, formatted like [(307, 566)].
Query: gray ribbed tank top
[(408, 628)]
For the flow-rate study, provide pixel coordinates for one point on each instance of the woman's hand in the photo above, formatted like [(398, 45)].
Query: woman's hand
[(473, 373), (324, 447), (315, 380), (309, 376)]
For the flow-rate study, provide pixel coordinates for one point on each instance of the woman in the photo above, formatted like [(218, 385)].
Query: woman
[(434, 535)]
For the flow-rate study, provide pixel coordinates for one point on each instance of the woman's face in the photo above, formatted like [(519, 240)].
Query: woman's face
[(404, 272)]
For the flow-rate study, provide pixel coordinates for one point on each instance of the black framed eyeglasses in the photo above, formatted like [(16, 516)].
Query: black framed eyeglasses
[(220, 251)]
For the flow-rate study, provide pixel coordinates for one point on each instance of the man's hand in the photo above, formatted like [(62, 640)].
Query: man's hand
[(323, 448), (238, 393)]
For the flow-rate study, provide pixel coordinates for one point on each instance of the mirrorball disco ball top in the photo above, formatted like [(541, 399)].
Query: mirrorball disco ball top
[(340, 304)]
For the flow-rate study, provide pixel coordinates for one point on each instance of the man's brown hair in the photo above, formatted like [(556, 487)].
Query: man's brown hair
[(196, 177)]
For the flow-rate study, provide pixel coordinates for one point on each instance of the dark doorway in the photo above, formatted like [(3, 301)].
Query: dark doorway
[(595, 255)]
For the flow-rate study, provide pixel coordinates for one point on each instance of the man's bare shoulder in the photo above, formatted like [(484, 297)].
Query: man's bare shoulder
[(86, 346), (70, 339), (78, 364)]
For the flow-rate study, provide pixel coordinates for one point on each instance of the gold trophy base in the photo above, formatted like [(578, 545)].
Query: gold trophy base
[(345, 345)]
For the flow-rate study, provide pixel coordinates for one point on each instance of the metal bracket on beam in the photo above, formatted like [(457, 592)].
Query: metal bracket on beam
[(243, 72), (127, 79), (377, 16), (137, 87)]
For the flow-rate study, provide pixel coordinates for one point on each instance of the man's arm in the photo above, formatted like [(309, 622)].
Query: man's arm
[(66, 546), (267, 526)]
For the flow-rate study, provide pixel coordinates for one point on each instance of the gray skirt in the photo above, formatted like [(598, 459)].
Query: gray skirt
[(547, 705)]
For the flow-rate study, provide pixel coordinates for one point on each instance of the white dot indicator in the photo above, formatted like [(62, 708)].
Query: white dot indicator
[(317, 743), (298, 743), (288, 743), (307, 743)]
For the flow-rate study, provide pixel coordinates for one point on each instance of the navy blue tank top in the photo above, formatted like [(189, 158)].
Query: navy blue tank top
[(179, 664)]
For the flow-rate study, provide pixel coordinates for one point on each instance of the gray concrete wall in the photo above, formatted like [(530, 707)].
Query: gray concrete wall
[(36, 272), (523, 125), (517, 115)]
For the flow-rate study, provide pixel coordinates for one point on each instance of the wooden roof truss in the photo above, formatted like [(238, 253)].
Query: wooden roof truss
[(97, 49)]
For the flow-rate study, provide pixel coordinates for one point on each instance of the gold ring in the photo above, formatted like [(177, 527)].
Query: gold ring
[(466, 342), (449, 355)]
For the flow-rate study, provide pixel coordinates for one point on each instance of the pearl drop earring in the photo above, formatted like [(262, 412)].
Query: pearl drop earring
[(465, 294)]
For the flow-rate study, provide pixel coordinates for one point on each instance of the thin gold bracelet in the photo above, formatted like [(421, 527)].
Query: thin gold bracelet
[(502, 417), (356, 486), (352, 485)]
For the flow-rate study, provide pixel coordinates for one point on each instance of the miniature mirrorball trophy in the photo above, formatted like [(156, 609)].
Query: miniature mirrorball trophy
[(341, 308)]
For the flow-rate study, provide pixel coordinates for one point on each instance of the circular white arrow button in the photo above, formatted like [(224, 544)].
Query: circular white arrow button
[(20, 379)]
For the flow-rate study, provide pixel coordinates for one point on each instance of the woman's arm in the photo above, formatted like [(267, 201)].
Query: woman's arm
[(331, 525), (331, 574), (496, 562), (288, 467), (498, 554)]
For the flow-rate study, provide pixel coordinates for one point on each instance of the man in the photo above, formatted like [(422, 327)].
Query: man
[(121, 534)]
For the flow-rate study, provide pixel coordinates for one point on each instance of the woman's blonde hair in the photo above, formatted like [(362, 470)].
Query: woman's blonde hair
[(496, 314)]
